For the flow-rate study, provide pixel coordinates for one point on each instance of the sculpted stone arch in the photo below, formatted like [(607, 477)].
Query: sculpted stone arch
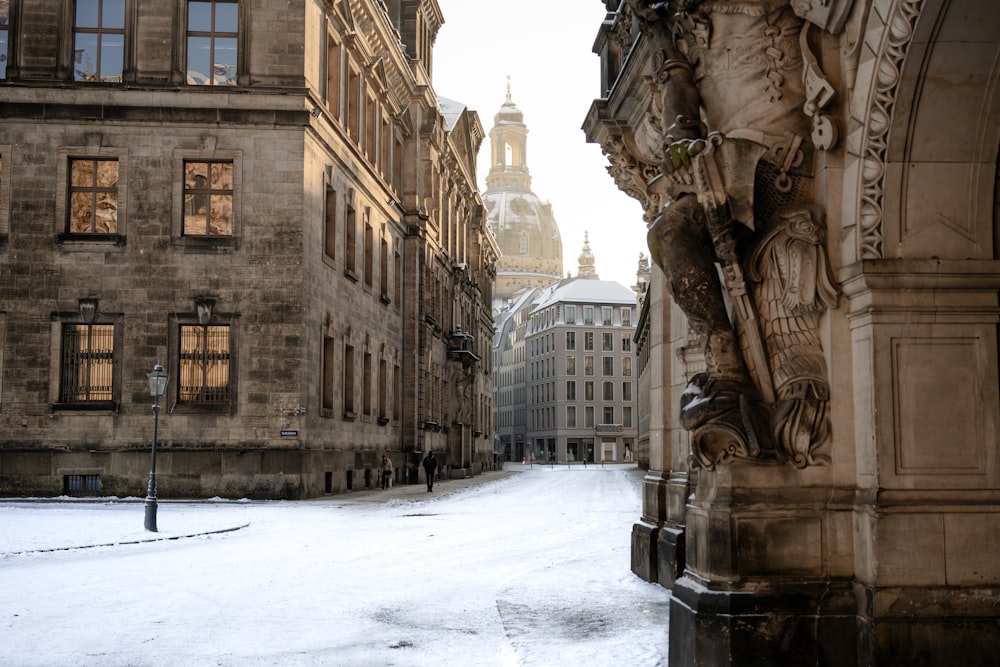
[(929, 127)]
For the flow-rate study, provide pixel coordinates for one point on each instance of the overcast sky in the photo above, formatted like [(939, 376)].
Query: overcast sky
[(546, 48)]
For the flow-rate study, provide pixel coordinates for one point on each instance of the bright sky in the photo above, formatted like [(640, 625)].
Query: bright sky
[(546, 48)]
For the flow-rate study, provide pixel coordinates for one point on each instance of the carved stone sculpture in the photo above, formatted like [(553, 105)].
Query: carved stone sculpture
[(739, 100)]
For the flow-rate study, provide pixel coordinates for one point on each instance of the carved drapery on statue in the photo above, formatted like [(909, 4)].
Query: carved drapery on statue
[(738, 101)]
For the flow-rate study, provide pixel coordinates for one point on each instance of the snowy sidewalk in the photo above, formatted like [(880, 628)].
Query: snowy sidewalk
[(53, 524), (505, 569)]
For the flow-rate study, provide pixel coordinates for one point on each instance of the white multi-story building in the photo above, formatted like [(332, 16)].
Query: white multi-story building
[(565, 371)]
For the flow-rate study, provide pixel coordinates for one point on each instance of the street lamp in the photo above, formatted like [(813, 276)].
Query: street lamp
[(157, 386)]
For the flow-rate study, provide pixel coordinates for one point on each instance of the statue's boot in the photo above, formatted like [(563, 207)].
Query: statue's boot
[(718, 390)]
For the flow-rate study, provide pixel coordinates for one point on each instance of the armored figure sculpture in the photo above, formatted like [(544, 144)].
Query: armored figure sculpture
[(736, 115)]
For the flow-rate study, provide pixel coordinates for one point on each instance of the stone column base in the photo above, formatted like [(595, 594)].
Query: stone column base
[(644, 556), (794, 624)]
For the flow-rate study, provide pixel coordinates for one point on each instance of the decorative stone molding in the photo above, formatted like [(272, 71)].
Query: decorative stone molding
[(892, 49)]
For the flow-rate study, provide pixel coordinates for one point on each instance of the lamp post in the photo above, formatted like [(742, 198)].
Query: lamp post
[(157, 386)]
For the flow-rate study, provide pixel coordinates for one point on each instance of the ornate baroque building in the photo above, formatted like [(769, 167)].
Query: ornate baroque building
[(270, 200), (818, 344), (524, 226)]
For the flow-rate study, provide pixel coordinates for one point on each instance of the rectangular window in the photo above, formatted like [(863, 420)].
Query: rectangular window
[(208, 198), (588, 417), (383, 269), (397, 164), (570, 340), (384, 143), (588, 365), (570, 416), (588, 314), (570, 365), (353, 104), (4, 28), (369, 267), (626, 315), (349, 381), (98, 39), (397, 278), (626, 343), (571, 390), (333, 77), (212, 34), (330, 223), (570, 314), (608, 364), (366, 389), (87, 373), (609, 391), (370, 128), (609, 415), (204, 362), (93, 197), (626, 391), (627, 417), (588, 340), (329, 369), (588, 391), (606, 315), (382, 390), (350, 240), (397, 393), (608, 342), (627, 366)]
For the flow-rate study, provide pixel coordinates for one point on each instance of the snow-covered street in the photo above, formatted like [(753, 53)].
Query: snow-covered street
[(523, 568)]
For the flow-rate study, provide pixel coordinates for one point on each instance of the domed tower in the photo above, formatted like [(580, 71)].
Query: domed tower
[(523, 225)]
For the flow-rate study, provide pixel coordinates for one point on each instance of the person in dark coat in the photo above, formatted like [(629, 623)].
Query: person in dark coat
[(430, 466), (385, 474)]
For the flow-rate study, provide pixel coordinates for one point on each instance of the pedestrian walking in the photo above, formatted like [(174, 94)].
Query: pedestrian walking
[(430, 466), (385, 476)]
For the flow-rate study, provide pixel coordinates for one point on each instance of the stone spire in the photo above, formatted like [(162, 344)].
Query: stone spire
[(586, 269)]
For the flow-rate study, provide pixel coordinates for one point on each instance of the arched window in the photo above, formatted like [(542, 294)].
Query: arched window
[(523, 245)]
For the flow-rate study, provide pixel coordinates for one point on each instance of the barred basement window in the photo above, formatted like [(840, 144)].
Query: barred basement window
[(204, 363), (81, 485), (87, 369)]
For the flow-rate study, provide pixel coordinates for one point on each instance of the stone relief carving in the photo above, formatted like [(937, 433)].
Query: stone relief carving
[(734, 224), (898, 35)]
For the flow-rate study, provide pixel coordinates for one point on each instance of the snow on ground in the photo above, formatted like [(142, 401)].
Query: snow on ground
[(531, 569)]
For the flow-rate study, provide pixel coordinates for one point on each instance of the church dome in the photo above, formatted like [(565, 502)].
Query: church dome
[(522, 224), (509, 113)]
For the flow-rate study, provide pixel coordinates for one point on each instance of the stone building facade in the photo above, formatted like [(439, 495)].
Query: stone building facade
[(580, 371), (510, 375), (566, 381), (876, 546), (270, 201)]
